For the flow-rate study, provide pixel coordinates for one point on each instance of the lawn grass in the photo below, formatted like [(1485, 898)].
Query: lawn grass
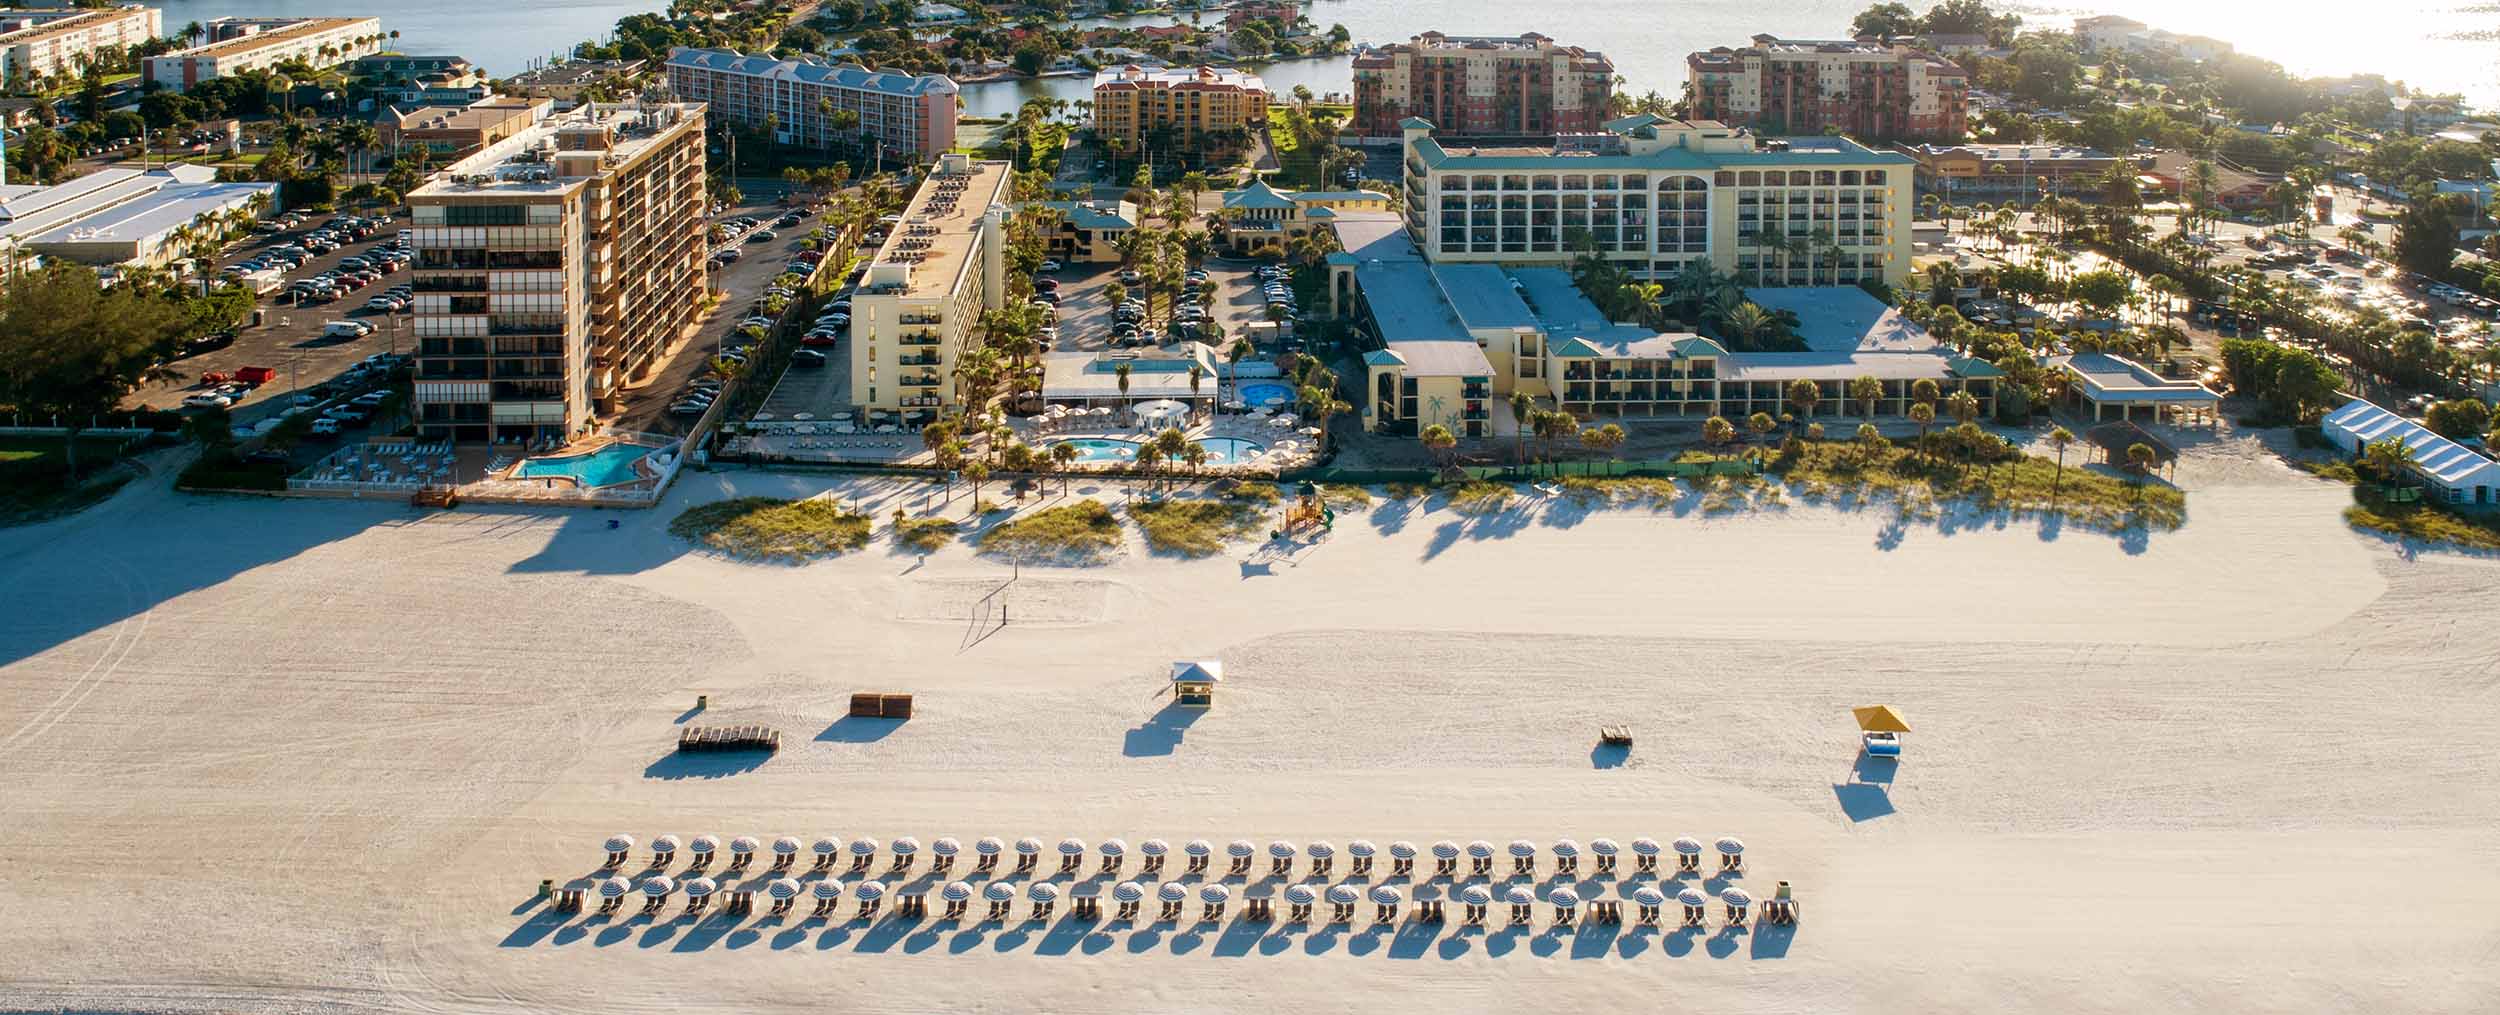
[(1481, 496), (1082, 532), (2024, 485), (1194, 528), (770, 528), (925, 534)]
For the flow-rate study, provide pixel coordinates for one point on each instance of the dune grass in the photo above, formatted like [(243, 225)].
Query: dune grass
[(1345, 496), (1194, 528), (1406, 491), (1082, 532), (2024, 484), (2423, 522), (1262, 494), (771, 528), (925, 534), (1481, 496)]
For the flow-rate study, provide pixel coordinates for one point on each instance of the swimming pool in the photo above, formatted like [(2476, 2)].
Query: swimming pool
[(607, 466), (1115, 451), (1267, 393)]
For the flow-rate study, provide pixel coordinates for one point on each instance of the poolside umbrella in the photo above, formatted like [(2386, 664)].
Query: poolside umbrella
[(863, 847), (743, 844), (1566, 848), (1241, 849), (998, 891), (1736, 897), (787, 845), (906, 846), (1482, 850), (1281, 422), (657, 887), (1128, 891), (1282, 850), (1476, 895), (664, 844), (1522, 849), (1358, 849), (1649, 896), (1344, 894), (697, 888), (1400, 850), (946, 847), (1564, 897), (1028, 846), (620, 843), (1880, 719), (1301, 895), (1730, 845), (869, 891), (956, 891), (826, 889), (1113, 847), (1323, 850), (703, 845), (1692, 897), (1688, 846), (1172, 891), (1384, 895), (1042, 891), (989, 846), (614, 888), (1520, 895), (783, 888)]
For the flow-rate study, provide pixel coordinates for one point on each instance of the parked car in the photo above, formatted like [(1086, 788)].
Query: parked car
[(325, 426), (1048, 266), (207, 400), (808, 358), (346, 329)]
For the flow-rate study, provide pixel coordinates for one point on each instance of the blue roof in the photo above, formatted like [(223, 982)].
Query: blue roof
[(1087, 215), (848, 75), (1482, 297), (1257, 195)]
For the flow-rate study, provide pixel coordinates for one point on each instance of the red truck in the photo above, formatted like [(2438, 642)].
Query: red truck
[(255, 376)]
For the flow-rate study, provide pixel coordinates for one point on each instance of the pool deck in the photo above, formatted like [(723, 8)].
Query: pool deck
[(1284, 447)]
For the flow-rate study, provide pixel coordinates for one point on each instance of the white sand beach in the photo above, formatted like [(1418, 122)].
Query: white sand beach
[(287, 756)]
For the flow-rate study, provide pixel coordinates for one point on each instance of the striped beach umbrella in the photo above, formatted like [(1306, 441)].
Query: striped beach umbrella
[(744, 844), (1028, 846), (664, 844), (1113, 847), (1564, 897), (863, 847), (1649, 896), (1072, 846), (1282, 850), (1604, 847), (1198, 847), (1645, 847), (1520, 895), (1447, 850)]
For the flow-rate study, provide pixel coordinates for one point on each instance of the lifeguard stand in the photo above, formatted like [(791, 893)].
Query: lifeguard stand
[(1193, 683)]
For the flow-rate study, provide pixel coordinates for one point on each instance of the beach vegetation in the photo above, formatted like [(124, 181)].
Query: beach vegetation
[(924, 534), (1989, 474), (1481, 496), (1344, 496), (772, 528), (1262, 494), (2419, 521), (1193, 528), (1083, 532)]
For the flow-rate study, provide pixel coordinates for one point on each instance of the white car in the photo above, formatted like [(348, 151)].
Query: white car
[(207, 401), (1048, 266), (325, 426), (346, 329)]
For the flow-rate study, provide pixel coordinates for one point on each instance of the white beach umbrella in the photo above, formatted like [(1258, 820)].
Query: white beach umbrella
[(869, 891), (828, 846), (1476, 895), (1042, 891), (1566, 848), (1385, 895), (905, 846), (1604, 847), (620, 843), (956, 891), (783, 888), (1645, 847), (1359, 848), (999, 891), (664, 844), (946, 847), (989, 845), (1198, 847), (1239, 848), (657, 887), (1282, 850), (614, 888), (1301, 895), (1649, 896), (863, 847), (1344, 894), (1072, 846), (1214, 893), (1028, 846), (1520, 895), (826, 889), (1113, 847), (702, 844), (1447, 850), (1563, 897), (1402, 850), (1154, 847), (744, 844), (1172, 891), (1692, 897), (1480, 849), (1687, 846), (1522, 848), (1730, 845), (697, 888), (1322, 850), (1736, 897), (1128, 891), (787, 845)]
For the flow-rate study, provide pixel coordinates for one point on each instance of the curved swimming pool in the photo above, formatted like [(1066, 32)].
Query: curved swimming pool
[(609, 466), (1118, 451), (1266, 393)]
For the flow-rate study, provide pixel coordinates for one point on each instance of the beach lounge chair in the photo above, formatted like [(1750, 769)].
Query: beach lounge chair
[(1298, 912), (696, 904), (1473, 914), (651, 904), (1428, 911), (1128, 911), (1521, 916), (1606, 912), (1695, 915), (1212, 913), (867, 909), (781, 907), (824, 908), (1783, 906), (1171, 910), (1360, 866), (609, 906), (1153, 864), (912, 907), (999, 909), (955, 908), (1320, 865), (1026, 862), (741, 903), (1880, 744)]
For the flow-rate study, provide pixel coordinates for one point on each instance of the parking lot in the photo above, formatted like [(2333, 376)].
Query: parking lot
[(1086, 318), (646, 403)]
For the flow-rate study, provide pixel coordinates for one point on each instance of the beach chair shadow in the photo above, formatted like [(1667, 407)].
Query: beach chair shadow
[(1680, 941), (534, 929), (708, 765), (1144, 939), (851, 729), (1724, 943), (1594, 940), (1770, 941), (1237, 938), (1604, 756), (1413, 940), (705, 932), (1862, 801)]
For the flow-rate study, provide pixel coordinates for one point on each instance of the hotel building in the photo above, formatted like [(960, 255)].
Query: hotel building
[(48, 42), (911, 115), (1130, 102), (239, 44), (554, 267), (1860, 87), (1474, 85), (2008, 172), (1655, 194), (918, 308)]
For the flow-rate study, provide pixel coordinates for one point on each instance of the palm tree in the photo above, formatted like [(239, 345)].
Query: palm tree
[(2388, 458), (1122, 372), (1866, 391), (1522, 408), (1923, 414), (1870, 443), (2140, 458), (1761, 423), (1064, 455), (1717, 432), (1746, 325), (1439, 440), (1603, 440), (976, 472), (1803, 395)]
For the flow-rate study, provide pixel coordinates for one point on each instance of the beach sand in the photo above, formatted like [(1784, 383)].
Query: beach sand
[(268, 755)]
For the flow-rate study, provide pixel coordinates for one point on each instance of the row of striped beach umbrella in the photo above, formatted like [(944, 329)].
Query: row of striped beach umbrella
[(1073, 853)]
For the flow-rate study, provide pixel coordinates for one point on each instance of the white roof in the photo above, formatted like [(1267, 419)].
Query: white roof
[(2442, 460), (1209, 670)]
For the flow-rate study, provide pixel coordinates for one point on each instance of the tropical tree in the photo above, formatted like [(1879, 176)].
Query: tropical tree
[(1603, 440), (1803, 395), (2140, 457), (976, 471), (1866, 391), (1717, 432), (1064, 455), (1439, 440), (1871, 443), (1522, 408), (1761, 423), (2060, 438), (2388, 459), (1923, 414)]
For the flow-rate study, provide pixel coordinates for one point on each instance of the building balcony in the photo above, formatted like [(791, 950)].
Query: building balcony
[(921, 338), (922, 381), (929, 360)]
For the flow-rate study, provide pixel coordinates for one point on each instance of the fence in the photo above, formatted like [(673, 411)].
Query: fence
[(1530, 473)]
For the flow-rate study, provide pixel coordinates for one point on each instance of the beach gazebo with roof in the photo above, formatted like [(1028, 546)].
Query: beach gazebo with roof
[(1193, 682)]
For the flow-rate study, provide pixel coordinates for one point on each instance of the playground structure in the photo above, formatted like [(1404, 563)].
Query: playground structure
[(1306, 512)]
